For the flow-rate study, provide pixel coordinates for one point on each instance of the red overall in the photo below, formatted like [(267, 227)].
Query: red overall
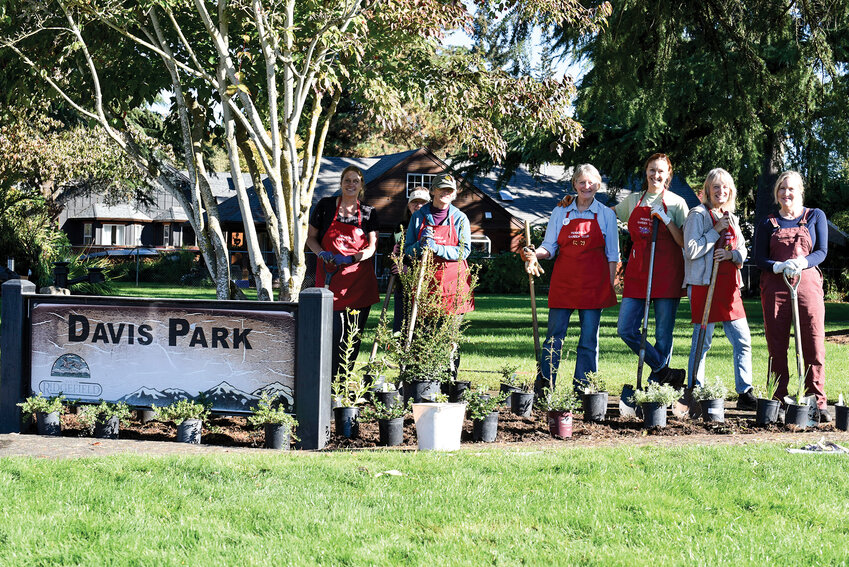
[(581, 276), (727, 302), (353, 285), (451, 275), (668, 258), (784, 244)]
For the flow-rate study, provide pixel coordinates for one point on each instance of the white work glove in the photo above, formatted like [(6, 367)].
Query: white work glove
[(532, 266), (794, 267), (657, 211), (778, 267)]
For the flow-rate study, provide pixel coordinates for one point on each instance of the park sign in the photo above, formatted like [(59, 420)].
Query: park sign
[(149, 352), (145, 356)]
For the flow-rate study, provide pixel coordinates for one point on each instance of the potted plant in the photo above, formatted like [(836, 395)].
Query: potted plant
[(279, 425), (187, 415), (711, 398), (510, 381), (483, 411), (521, 400), (390, 421), (654, 401), (594, 397), (798, 411), (457, 388), (47, 412), (841, 417), (767, 408), (438, 424), (559, 403), (104, 419), (349, 387)]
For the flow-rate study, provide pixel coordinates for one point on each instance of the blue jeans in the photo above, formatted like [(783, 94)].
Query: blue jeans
[(630, 327), (587, 359), (741, 344)]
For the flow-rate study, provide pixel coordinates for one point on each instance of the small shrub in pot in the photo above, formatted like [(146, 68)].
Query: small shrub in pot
[(187, 415), (767, 408), (104, 419), (711, 397), (47, 412), (483, 411), (559, 403), (279, 425), (654, 400), (594, 397), (390, 421)]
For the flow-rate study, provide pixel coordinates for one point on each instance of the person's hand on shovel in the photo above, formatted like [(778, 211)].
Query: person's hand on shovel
[(532, 266), (326, 256)]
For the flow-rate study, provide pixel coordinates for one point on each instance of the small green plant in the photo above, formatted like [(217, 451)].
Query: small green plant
[(595, 383), (269, 411), (380, 411), (715, 391), (181, 410), (349, 388), (656, 393), (440, 398), (768, 391), (510, 375), (561, 398), (480, 404), (800, 392), (40, 404), (91, 415)]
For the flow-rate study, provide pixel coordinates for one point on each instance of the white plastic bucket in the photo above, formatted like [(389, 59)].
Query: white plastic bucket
[(438, 426)]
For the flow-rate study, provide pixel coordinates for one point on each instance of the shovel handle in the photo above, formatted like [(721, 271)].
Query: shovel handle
[(794, 298), (705, 317), (645, 332), (414, 310), (537, 349)]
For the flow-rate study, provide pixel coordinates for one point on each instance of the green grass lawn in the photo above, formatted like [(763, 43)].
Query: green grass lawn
[(756, 505)]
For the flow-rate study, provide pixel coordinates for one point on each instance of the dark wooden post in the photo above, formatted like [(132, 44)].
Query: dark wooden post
[(13, 361), (312, 367)]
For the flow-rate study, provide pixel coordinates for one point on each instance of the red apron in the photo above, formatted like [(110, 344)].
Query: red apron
[(353, 285), (727, 302), (581, 276), (452, 276), (668, 258)]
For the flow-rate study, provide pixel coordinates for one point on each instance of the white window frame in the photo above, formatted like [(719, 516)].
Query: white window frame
[(419, 180), (106, 235), (166, 234), (88, 232), (482, 243)]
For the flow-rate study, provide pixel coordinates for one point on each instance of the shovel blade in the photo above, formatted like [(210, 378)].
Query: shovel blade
[(683, 407), (627, 408)]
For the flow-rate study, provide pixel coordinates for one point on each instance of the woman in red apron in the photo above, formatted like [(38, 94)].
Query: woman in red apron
[(793, 243), (637, 209), (583, 238), (343, 234), (712, 234), (443, 229)]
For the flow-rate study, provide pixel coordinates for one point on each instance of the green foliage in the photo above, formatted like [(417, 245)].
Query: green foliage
[(269, 411), (349, 387), (181, 410), (90, 415), (169, 267), (715, 391), (503, 273), (380, 411), (595, 383), (561, 398), (509, 375), (111, 271), (40, 404), (479, 404), (656, 393), (768, 391)]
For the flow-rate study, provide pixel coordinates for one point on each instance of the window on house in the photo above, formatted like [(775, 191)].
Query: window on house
[(482, 244), (166, 234), (419, 180), (87, 231), (112, 235)]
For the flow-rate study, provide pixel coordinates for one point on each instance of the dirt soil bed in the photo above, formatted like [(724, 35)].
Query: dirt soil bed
[(514, 431)]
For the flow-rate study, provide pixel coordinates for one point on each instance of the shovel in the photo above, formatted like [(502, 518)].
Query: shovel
[(627, 407), (537, 349), (810, 401), (414, 309)]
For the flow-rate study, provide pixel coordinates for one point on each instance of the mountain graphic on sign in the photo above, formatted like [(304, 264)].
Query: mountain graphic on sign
[(177, 394), (225, 396), (277, 390), (146, 397)]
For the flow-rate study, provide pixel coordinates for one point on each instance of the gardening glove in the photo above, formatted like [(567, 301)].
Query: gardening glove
[(794, 267), (427, 239), (532, 266), (566, 201), (326, 256), (778, 267), (341, 259), (657, 211)]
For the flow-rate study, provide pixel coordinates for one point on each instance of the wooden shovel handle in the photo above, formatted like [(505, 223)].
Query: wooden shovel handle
[(537, 349)]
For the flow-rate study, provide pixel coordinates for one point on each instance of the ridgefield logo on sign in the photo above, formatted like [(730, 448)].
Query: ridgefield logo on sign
[(146, 356)]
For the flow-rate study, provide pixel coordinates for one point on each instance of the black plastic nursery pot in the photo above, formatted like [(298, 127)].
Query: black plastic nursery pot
[(347, 422), (485, 429), (456, 389), (389, 399), (391, 431), (595, 406), (713, 411), (48, 423), (654, 414), (421, 390), (560, 423), (276, 436), (107, 429), (508, 389), (522, 403), (767, 412), (189, 431), (796, 415), (841, 417)]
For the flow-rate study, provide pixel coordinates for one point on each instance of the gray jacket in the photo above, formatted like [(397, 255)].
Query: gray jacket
[(699, 241)]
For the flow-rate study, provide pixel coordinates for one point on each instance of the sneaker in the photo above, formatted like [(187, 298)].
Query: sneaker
[(747, 401), (825, 416)]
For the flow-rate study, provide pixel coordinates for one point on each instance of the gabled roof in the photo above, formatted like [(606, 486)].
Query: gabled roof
[(121, 212)]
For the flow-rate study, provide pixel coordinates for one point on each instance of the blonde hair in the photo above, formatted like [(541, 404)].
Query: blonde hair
[(787, 175), (723, 176), (586, 170)]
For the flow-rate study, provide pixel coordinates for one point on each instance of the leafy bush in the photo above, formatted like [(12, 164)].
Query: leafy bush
[(715, 391), (380, 411), (40, 404), (562, 398), (656, 393), (181, 410), (90, 415), (595, 383), (269, 411), (480, 404)]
